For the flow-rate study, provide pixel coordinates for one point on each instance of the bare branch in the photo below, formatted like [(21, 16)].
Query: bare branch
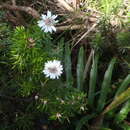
[(86, 33), (13, 2), (71, 27), (66, 5), (28, 10)]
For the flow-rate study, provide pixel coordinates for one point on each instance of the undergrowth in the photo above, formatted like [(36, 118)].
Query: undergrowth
[(91, 88)]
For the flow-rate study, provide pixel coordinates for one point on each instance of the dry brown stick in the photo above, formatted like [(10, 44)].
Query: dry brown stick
[(71, 27), (86, 33), (28, 10), (65, 5), (10, 17), (17, 14), (75, 4), (13, 2), (76, 14)]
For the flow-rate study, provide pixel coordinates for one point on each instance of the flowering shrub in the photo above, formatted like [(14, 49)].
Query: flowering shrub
[(39, 63), (46, 79), (60, 102)]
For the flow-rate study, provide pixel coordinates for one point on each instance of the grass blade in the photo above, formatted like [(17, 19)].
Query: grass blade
[(124, 126), (80, 69), (123, 112), (105, 85), (92, 82), (105, 129), (123, 86), (118, 100), (69, 78), (84, 121)]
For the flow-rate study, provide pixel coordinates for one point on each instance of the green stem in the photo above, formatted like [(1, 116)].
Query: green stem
[(43, 84)]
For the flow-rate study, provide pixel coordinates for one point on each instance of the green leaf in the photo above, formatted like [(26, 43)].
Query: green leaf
[(92, 82), (105, 129), (125, 126), (84, 121), (80, 69), (118, 100), (69, 78), (105, 85), (123, 112), (123, 86)]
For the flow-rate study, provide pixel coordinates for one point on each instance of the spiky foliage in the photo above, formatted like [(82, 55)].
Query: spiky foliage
[(100, 112), (27, 50), (26, 98)]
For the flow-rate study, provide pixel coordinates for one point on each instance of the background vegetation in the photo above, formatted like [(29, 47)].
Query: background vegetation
[(92, 42)]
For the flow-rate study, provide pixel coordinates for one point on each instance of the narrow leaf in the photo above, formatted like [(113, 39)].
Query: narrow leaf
[(123, 112), (105, 85), (125, 126), (118, 100), (80, 69), (105, 129), (68, 66), (84, 121), (92, 82), (123, 86)]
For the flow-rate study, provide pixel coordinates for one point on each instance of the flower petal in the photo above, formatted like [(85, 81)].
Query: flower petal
[(54, 17), (43, 17), (53, 28), (48, 13)]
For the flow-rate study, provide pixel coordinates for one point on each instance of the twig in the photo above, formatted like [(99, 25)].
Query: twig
[(75, 4), (18, 15), (65, 5), (86, 33), (13, 2), (15, 20), (28, 10), (71, 27)]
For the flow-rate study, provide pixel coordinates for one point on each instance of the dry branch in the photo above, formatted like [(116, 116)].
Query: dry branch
[(15, 20), (13, 2), (65, 5), (71, 27), (86, 33), (28, 10)]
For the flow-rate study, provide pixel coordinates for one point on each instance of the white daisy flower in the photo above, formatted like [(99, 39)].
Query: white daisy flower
[(47, 22), (53, 69)]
